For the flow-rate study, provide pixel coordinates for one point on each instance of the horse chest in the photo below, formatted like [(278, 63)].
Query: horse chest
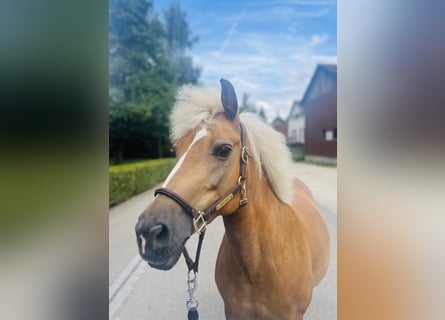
[(262, 293), (262, 305)]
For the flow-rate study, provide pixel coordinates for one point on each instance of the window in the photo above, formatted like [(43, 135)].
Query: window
[(329, 135)]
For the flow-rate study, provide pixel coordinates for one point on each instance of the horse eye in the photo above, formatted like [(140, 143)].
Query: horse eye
[(222, 151)]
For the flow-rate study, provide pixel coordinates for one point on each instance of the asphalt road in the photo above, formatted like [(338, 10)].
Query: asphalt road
[(139, 292)]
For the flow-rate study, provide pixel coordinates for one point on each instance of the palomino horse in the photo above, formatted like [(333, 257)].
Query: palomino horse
[(276, 246)]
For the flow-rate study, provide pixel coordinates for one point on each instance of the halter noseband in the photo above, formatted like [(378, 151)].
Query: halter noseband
[(201, 218)]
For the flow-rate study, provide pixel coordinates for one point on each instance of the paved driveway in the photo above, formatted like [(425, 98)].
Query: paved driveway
[(140, 292)]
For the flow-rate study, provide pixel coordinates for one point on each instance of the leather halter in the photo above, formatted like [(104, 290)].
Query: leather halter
[(201, 218)]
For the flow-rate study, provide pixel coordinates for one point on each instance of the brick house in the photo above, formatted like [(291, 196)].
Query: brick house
[(320, 113)]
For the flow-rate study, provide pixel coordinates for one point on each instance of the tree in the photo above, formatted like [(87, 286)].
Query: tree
[(179, 41), (262, 115), (246, 105), (148, 61), (135, 61)]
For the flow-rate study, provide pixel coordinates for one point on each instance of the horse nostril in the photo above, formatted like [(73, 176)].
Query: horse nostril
[(154, 231), (158, 236)]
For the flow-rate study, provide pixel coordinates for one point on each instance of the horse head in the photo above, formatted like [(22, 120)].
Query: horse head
[(207, 168)]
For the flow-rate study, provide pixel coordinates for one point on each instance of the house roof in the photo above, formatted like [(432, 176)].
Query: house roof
[(295, 104), (278, 119), (330, 69)]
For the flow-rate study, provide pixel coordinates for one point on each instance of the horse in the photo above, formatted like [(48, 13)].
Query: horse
[(275, 249)]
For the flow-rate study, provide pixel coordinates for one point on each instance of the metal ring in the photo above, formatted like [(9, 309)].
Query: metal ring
[(191, 303), (192, 285), (191, 275), (245, 154), (199, 223)]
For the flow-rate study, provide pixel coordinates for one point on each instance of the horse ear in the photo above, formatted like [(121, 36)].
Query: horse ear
[(228, 99)]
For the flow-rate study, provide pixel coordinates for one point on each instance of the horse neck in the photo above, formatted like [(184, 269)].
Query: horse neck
[(251, 228)]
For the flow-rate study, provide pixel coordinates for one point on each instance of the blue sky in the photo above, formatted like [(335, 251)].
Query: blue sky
[(268, 49)]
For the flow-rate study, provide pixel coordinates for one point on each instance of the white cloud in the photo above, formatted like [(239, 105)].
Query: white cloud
[(272, 64), (278, 107), (231, 31), (282, 13), (274, 69), (313, 3), (324, 59), (312, 14), (317, 39)]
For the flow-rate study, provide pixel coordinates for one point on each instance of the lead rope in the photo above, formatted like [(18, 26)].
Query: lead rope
[(192, 282)]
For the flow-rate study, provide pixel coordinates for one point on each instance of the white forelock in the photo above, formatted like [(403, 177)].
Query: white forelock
[(195, 105)]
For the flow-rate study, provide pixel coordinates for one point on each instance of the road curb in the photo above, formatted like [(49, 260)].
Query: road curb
[(123, 277)]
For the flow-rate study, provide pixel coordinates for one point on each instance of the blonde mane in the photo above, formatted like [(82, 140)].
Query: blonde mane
[(195, 105), (272, 155)]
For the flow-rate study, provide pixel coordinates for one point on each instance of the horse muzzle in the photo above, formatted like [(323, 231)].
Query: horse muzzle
[(161, 235)]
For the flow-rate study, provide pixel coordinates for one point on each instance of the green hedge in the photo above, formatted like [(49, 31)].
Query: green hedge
[(126, 180)]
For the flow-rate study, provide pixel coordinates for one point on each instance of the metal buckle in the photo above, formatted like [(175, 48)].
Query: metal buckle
[(199, 223), (243, 191), (192, 284), (244, 199), (245, 155)]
